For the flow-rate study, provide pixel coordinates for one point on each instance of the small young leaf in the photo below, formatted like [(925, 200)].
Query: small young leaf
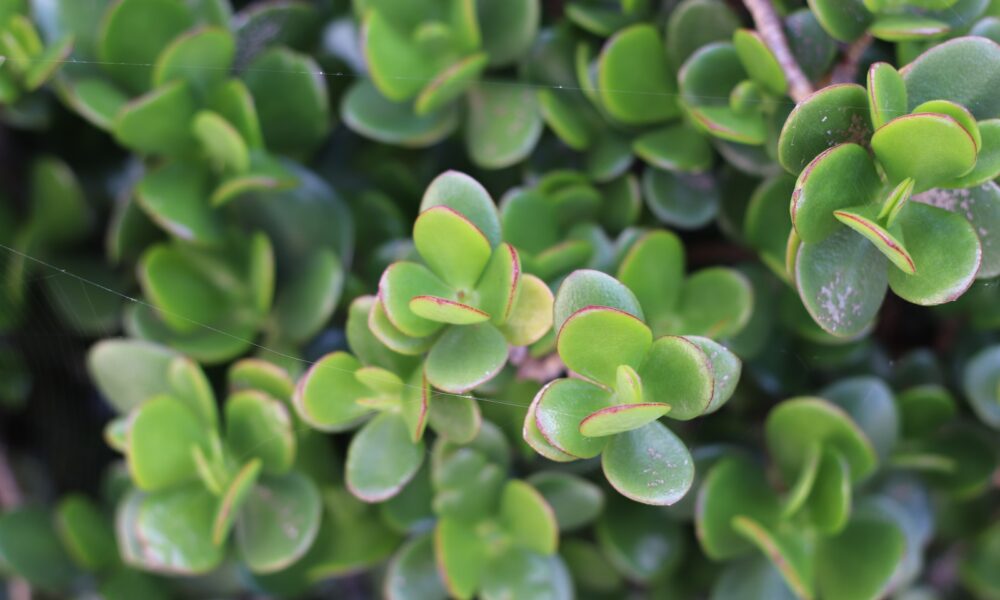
[(886, 94), (595, 340), (452, 246)]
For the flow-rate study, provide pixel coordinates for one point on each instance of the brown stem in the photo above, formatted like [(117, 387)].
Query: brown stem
[(847, 69), (770, 29)]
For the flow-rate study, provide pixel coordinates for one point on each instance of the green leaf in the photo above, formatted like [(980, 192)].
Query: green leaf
[(906, 28), (675, 148), (95, 100), (981, 206), (468, 197), (161, 438), (959, 113), (861, 561), (709, 80), (970, 452), (845, 20), (452, 246), (308, 300), (886, 94), (716, 302), (697, 23), (456, 418), (752, 578), (650, 465), (46, 65), (864, 220), (654, 270), (86, 533), (388, 334), (133, 33), (520, 573), (767, 222), (684, 201), (842, 281), (30, 548), (290, 96), (185, 292), (795, 425), (533, 436), (527, 518), (412, 573), (621, 418), (639, 541), (279, 522), (940, 277), (829, 504), (930, 148), (400, 283), (725, 366), (169, 532), (461, 557), (364, 343), (987, 162), (819, 190), (450, 83), (924, 408), (676, 371), (558, 410), (834, 115), (200, 57), (634, 80), (565, 118), (504, 123), (594, 341), (175, 196), (159, 122), (508, 29), (981, 383), (222, 142), (466, 356), (586, 287), (734, 486), (959, 70), (389, 52), (575, 501), (129, 372), (382, 458), (498, 288), (374, 116), (232, 500), (790, 553), (59, 211), (442, 310), (761, 64), (233, 102), (326, 396), (258, 426)]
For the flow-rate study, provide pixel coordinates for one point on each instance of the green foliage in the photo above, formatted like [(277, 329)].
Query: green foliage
[(500, 299)]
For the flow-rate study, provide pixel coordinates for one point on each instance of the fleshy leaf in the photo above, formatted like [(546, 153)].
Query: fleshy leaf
[(650, 465), (132, 35), (886, 94), (201, 57), (503, 124), (452, 246), (159, 122), (443, 310), (466, 356), (456, 418), (819, 190), (528, 518), (585, 287), (498, 287), (382, 458), (677, 372), (829, 504), (930, 148), (844, 20), (161, 437), (531, 316), (279, 522), (834, 115), (575, 500), (258, 426), (654, 270), (795, 425), (461, 557), (842, 281), (981, 207), (760, 62), (715, 302), (734, 486), (789, 553), (400, 283), (861, 561), (232, 500), (370, 114), (675, 148), (558, 410), (634, 95), (960, 70), (863, 220), (468, 197), (940, 276), (621, 417), (326, 396), (594, 341)]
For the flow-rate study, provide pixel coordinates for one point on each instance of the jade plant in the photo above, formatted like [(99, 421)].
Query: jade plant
[(28, 62), (895, 20), (627, 382), (467, 303), (485, 299), (427, 64), (865, 220)]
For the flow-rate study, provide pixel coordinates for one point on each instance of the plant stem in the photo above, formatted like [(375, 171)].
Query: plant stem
[(770, 29)]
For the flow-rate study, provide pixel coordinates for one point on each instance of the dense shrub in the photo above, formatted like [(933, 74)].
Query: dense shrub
[(500, 299)]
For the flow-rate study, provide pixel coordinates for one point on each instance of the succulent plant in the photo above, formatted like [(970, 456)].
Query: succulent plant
[(28, 62), (895, 20), (468, 302), (856, 232)]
